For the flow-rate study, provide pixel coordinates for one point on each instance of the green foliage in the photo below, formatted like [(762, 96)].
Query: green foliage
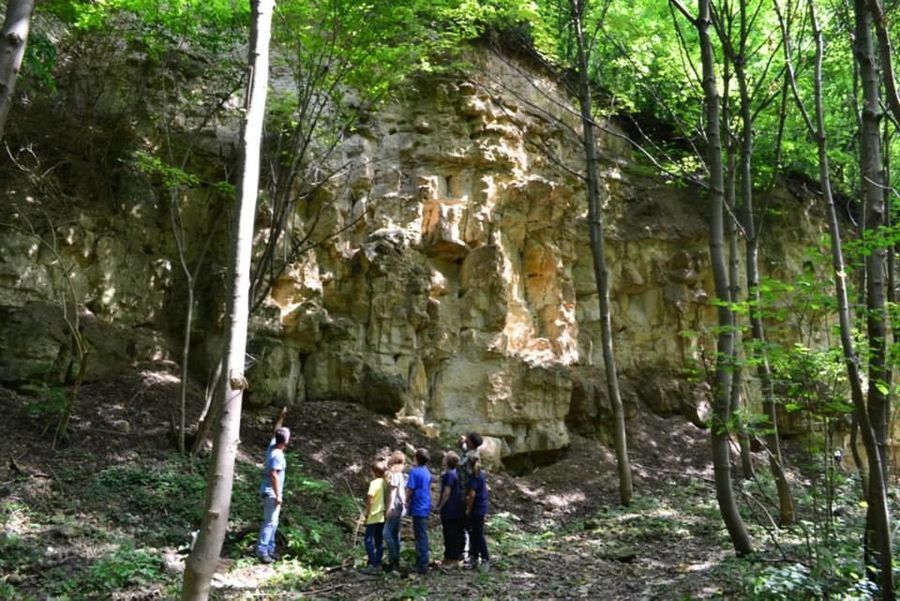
[(797, 581), (122, 568), (45, 401), (174, 488), (317, 542), (211, 24), (172, 177), (40, 60), (786, 583)]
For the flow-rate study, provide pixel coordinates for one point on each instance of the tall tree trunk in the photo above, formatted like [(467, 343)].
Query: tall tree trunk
[(884, 45), (878, 516), (201, 564), (720, 434), (734, 268), (13, 39), (760, 354), (878, 535), (598, 250)]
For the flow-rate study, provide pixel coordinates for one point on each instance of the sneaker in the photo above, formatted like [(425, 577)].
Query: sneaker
[(370, 571), (485, 567), (265, 558), (274, 555)]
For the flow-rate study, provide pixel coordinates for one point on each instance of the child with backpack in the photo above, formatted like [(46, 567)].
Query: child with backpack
[(395, 508), (451, 509), (375, 519), (476, 510)]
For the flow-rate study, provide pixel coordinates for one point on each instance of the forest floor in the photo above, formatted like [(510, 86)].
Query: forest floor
[(109, 516)]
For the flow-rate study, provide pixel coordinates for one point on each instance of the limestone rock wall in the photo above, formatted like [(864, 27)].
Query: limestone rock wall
[(453, 281), (464, 295)]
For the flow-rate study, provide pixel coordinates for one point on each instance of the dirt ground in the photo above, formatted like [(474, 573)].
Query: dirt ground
[(556, 533)]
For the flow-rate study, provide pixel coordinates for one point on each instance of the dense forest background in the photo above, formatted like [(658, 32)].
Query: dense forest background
[(230, 127)]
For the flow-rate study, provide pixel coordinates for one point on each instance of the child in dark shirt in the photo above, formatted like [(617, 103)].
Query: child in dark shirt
[(451, 509), (476, 510)]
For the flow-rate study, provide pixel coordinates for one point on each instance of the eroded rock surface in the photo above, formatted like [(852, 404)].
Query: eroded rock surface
[(453, 281)]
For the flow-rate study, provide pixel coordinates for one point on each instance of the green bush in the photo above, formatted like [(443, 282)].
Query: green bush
[(173, 489), (314, 541), (123, 568)]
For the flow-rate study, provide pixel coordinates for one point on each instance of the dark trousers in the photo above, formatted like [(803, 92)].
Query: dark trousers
[(453, 538), (392, 538), (374, 543), (477, 542), (420, 530)]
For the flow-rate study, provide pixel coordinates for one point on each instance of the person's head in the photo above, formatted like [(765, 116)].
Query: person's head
[(451, 460), (378, 468), (473, 440), (475, 466), (396, 461), (422, 456), (282, 436)]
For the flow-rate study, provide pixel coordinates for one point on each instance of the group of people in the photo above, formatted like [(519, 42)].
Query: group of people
[(392, 494), (462, 506)]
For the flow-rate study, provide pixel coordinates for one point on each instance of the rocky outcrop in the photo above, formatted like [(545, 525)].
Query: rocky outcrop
[(452, 282)]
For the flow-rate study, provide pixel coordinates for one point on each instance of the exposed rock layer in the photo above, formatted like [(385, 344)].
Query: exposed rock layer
[(459, 291)]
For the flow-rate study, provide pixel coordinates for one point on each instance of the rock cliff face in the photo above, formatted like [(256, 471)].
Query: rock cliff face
[(458, 286)]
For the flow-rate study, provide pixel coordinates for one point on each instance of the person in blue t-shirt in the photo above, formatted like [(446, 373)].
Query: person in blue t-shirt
[(271, 490), (418, 503), (451, 508), (476, 509)]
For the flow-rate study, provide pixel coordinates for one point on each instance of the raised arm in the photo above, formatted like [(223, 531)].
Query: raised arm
[(280, 421)]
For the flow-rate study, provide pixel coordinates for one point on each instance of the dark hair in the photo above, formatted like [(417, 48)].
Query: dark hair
[(378, 468), (282, 436), (451, 459), (475, 465), (422, 456), (474, 439)]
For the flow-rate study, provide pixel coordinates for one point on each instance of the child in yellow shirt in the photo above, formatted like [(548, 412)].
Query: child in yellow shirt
[(374, 540)]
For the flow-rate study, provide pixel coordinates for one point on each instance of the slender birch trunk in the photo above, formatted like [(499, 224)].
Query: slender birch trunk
[(598, 250), (759, 352), (13, 39), (734, 264), (201, 565)]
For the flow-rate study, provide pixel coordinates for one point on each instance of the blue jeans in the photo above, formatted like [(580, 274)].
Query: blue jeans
[(374, 544), (392, 538), (271, 510), (420, 530)]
